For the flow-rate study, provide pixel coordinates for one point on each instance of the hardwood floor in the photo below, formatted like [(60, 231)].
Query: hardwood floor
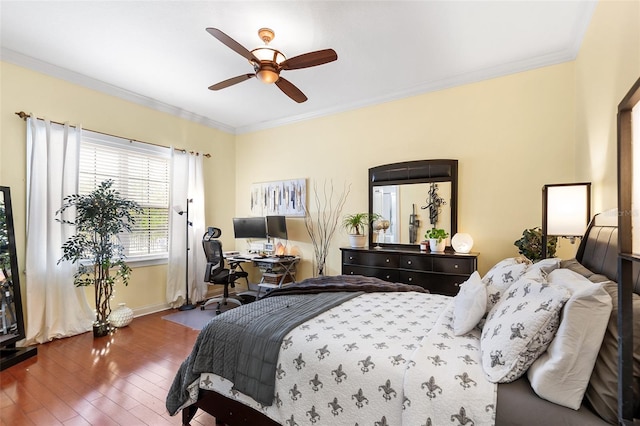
[(121, 379)]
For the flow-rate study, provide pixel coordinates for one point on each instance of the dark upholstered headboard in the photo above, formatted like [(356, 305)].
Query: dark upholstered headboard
[(598, 250)]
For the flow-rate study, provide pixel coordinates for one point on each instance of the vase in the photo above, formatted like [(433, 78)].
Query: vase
[(121, 316), (437, 247), (357, 240)]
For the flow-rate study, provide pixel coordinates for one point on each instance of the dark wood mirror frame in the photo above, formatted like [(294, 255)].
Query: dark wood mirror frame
[(10, 280), (412, 172)]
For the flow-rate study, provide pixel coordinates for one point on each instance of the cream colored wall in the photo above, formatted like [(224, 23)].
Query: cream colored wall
[(511, 135), (58, 100), (606, 67)]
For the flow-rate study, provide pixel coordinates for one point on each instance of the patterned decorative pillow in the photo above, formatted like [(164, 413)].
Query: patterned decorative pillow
[(546, 265), (501, 276), (519, 328)]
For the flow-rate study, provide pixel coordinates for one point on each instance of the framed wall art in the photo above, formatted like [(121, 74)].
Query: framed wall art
[(285, 198)]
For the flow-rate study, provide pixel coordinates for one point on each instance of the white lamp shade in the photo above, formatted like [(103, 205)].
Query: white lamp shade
[(462, 243), (567, 209)]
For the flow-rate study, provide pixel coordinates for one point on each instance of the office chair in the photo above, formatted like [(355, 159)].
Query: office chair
[(216, 273)]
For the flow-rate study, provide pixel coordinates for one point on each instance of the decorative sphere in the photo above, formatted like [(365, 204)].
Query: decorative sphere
[(462, 243)]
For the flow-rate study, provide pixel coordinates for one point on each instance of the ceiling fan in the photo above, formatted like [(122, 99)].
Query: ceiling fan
[(268, 62)]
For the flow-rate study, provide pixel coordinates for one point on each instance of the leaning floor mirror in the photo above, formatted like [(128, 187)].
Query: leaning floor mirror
[(11, 319)]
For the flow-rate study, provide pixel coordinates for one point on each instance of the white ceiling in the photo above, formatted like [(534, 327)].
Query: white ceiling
[(158, 53)]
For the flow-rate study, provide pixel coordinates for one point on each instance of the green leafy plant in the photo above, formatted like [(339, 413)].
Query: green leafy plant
[(530, 244), (355, 223), (100, 216), (437, 234)]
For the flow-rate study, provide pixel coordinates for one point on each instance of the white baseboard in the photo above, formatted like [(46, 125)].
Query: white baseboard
[(151, 309)]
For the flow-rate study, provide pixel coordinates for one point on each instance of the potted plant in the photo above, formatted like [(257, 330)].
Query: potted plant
[(99, 217), (437, 239), (356, 224), (530, 244)]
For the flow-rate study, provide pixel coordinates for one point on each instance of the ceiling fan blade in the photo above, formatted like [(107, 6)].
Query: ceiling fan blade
[(290, 90), (310, 59), (233, 45), (231, 81)]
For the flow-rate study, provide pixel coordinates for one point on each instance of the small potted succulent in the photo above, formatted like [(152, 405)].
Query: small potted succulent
[(355, 224), (437, 239)]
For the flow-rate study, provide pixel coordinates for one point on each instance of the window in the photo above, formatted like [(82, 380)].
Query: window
[(141, 173)]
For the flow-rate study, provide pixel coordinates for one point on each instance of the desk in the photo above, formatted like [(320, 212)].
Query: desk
[(280, 269)]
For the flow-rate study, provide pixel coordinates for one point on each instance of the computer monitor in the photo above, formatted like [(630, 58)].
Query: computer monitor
[(249, 227), (277, 227)]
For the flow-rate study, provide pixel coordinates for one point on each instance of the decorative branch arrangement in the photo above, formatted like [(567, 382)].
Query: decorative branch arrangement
[(327, 216)]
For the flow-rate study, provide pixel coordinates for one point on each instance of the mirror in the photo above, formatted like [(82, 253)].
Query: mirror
[(11, 321), (413, 197)]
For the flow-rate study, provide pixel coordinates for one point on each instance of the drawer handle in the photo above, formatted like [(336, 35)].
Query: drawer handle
[(350, 257), (388, 276), (410, 279), (351, 273), (455, 266), (408, 262), (388, 260)]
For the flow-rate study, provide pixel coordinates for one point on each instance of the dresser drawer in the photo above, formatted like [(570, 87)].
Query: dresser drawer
[(419, 263), (381, 260), (382, 273), (449, 285), (416, 278), (452, 265)]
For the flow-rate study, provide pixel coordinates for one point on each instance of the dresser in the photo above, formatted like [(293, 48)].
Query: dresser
[(440, 273)]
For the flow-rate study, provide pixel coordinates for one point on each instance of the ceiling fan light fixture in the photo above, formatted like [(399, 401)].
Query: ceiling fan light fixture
[(268, 54), (267, 75)]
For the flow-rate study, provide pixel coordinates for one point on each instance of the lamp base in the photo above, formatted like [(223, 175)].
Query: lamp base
[(187, 307)]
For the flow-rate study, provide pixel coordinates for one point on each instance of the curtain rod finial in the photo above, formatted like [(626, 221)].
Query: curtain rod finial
[(23, 115)]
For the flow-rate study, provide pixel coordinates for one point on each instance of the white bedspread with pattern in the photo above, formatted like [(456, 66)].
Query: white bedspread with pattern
[(381, 359)]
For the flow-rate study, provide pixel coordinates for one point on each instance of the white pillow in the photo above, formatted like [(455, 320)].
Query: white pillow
[(519, 328), (469, 305), (545, 265), (561, 374), (500, 277)]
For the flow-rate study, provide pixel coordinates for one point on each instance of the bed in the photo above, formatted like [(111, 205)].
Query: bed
[(395, 347)]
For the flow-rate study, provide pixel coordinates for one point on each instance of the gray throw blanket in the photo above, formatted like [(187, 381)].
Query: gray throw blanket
[(242, 345)]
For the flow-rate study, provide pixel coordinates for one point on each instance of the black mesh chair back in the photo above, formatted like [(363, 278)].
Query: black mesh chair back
[(216, 272)]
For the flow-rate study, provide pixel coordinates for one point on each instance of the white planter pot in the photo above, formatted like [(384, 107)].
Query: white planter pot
[(437, 246), (357, 241)]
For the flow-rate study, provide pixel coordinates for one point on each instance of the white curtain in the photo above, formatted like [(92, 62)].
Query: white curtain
[(55, 307), (187, 183)]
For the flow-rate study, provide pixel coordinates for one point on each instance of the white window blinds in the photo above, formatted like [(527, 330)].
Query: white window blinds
[(140, 173)]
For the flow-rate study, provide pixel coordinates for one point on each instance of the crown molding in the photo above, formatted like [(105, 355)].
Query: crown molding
[(433, 86), (34, 64), (565, 55)]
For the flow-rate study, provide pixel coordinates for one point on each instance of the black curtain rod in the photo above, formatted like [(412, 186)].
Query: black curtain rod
[(24, 116)]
